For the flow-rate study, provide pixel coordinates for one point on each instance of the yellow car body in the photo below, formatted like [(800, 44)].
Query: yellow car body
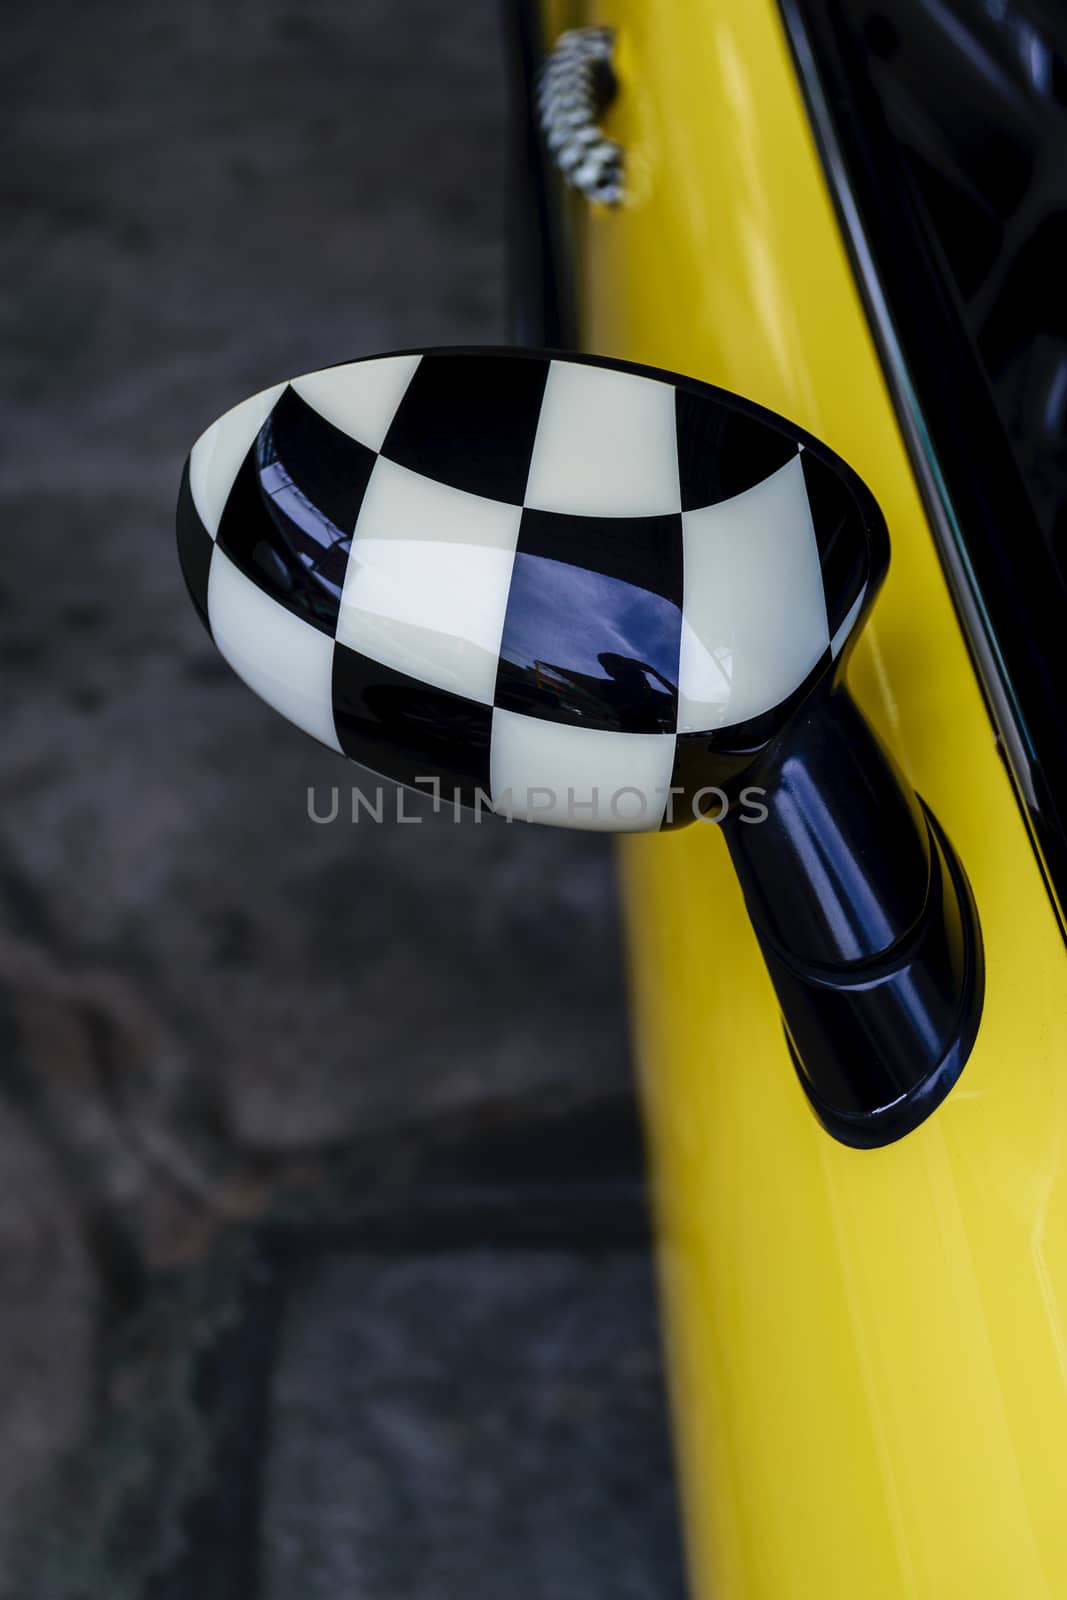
[(867, 1349)]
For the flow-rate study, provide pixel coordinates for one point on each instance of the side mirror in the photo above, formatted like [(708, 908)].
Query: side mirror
[(597, 595)]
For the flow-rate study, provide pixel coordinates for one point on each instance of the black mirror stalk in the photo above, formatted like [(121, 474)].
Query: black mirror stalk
[(865, 920)]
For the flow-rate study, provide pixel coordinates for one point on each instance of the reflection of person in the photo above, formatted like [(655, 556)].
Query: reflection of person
[(635, 704), (639, 703), (627, 670)]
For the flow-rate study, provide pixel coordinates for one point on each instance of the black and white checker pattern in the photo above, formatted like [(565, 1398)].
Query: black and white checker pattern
[(548, 579)]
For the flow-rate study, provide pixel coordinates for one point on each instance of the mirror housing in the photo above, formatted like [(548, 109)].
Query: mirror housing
[(581, 592)]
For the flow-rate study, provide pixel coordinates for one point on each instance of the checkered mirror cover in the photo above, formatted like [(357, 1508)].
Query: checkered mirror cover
[(554, 582)]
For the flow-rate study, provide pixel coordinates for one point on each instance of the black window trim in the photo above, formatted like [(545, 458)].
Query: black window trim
[(1007, 589)]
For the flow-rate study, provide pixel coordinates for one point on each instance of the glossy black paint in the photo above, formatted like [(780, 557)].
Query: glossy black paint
[(722, 452), (593, 626), (408, 730), (290, 516), (313, 478), (839, 872), (195, 547), (471, 422), (865, 920)]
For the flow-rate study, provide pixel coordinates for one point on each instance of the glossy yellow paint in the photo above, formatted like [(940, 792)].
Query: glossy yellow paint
[(868, 1350)]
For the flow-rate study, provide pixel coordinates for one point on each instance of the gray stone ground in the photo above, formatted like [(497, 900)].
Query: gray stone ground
[(467, 1436), (222, 1025)]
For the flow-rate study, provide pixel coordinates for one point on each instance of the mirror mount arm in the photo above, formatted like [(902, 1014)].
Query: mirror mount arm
[(865, 921)]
